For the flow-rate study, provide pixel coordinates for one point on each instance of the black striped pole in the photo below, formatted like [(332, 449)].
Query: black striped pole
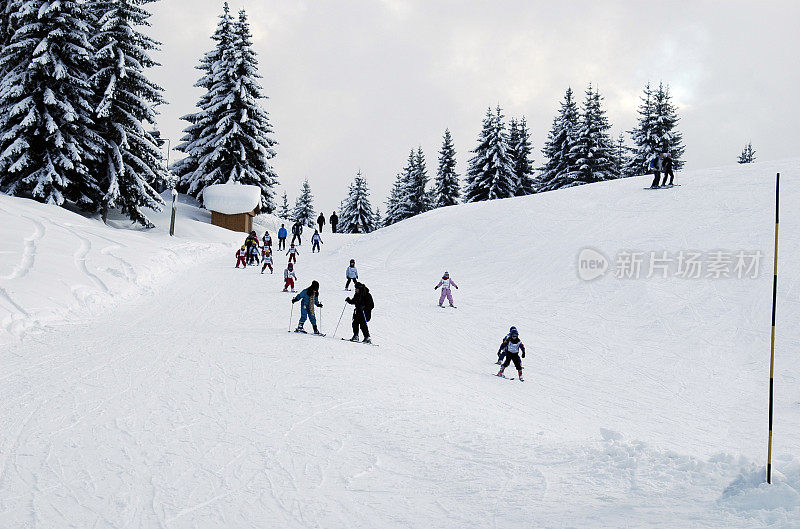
[(772, 344)]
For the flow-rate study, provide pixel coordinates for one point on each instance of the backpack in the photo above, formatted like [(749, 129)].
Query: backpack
[(654, 162), (368, 306)]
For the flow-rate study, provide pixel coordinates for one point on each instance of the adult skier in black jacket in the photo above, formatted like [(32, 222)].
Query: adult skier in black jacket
[(362, 300)]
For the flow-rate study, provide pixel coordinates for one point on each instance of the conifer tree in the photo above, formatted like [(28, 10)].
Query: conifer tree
[(557, 149), (229, 140), (132, 164), (593, 150), (446, 189), (655, 131), (520, 152), (416, 182), (395, 210), (621, 162), (47, 134), (356, 215), (304, 206), (378, 218), (490, 174), (665, 119), (283, 212), (748, 154)]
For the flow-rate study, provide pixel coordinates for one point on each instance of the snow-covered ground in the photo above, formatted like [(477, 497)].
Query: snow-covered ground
[(189, 405)]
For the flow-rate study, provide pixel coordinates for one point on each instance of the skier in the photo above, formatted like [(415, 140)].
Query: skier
[(668, 169), (297, 231), (292, 253), (309, 299), (655, 167), (362, 313), (282, 237), (321, 221), (266, 254), (241, 256), (501, 353), (316, 240), (512, 349), (252, 254), (446, 283), (289, 277), (249, 242), (267, 240), (334, 222), (351, 274)]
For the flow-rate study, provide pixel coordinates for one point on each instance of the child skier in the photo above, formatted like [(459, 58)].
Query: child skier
[(252, 256), (292, 253), (266, 254), (267, 240), (241, 257), (309, 299), (289, 277), (501, 353), (513, 348), (315, 241), (446, 283), (351, 274)]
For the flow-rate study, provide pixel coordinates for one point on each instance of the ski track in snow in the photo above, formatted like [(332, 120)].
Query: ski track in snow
[(192, 407)]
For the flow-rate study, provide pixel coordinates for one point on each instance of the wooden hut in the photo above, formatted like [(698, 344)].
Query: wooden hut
[(232, 206)]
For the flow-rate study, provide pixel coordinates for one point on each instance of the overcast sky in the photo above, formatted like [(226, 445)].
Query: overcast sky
[(356, 84)]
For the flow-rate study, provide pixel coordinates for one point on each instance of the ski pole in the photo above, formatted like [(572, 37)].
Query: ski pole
[(340, 321), (291, 312), (320, 317)]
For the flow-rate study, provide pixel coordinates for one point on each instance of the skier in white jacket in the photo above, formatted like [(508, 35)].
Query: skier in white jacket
[(351, 273)]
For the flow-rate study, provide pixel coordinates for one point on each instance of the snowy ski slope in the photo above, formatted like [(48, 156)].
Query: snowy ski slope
[(189, 405)]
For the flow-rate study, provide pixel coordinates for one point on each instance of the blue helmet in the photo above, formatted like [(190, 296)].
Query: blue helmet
[(513, 332)]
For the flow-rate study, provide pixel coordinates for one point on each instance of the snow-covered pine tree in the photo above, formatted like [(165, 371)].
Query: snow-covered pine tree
[(228, 140), (250, 129), (417, 181), (645, 142), (519, 148), (557, 150), (446, 189), (303, 211), (132, 165), (490, 174), (47, 134), (665, 119), (748, 154), (621, 162), (593, 150), (283, 211), (356, 214), (378, 219), (202, 124), (395, 204), (655, 131)]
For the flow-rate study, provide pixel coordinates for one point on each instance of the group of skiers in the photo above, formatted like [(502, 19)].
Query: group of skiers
[(511, 349), (662, 163), (334, 221)]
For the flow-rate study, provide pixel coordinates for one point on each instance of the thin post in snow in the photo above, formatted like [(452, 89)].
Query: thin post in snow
[(772, 341)]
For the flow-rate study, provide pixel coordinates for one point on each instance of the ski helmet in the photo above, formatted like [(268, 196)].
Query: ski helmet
[(514, 333)]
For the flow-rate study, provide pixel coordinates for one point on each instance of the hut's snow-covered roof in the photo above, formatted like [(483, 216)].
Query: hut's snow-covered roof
[(231, 199)]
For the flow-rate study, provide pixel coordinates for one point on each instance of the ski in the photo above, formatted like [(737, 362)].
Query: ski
[(363, 343), (661, 187), (320, 334), (509, 378)]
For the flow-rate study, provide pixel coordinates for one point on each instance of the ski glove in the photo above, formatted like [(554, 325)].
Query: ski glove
[(523, 354), (319, 305), (294, 300)]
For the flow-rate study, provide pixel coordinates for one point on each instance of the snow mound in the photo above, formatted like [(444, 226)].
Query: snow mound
[(750, 492), (231, 199)]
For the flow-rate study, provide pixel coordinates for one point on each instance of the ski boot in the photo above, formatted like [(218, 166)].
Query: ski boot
[(520, 376), (354, 338), (316, 331), (366, 340), (300, 328), (500, 373)]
